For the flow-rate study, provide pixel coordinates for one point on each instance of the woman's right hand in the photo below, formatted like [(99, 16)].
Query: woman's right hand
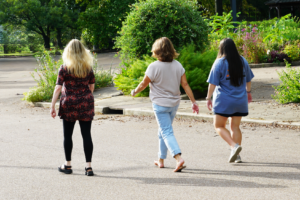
[(209, 104), (195, 108), (53, 112)]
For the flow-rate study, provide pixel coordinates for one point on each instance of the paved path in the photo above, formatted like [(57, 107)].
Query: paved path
[(124, 150)]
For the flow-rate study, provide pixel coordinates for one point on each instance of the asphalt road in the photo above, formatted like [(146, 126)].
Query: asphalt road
[(31, 149)]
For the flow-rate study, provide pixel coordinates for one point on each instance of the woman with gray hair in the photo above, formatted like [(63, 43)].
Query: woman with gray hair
[(165, 76)]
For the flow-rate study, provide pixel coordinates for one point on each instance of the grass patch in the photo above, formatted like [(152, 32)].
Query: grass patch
[(16, 54)]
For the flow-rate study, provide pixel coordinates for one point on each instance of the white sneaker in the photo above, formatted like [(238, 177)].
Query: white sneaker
[(234, 152), (238, 159)]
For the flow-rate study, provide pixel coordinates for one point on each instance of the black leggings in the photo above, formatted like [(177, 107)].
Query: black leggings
[(85, 127)]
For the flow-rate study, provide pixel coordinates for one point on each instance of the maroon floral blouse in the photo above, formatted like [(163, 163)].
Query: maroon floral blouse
[(77, 100)]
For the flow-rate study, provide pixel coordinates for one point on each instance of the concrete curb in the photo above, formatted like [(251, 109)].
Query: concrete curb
[(263, 65), (180, 115)]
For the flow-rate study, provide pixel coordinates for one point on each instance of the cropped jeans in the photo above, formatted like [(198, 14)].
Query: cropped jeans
[(167, 141)]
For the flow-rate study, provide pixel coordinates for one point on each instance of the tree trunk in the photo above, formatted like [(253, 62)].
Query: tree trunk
[(58, 37), (5, 49), (46, 42)]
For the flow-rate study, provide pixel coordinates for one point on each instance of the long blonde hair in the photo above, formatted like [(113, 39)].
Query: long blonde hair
[(77, 59)]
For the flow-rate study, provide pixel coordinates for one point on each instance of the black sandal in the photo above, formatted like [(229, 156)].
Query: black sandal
[(89, 173), (66, 170)]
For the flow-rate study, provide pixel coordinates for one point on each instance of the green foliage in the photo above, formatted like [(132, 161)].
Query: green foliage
[(133, 75), (222, 25), (293, 50), (102, 19), (289, 88), (197, 67), (46, 75), (102, 78), (149, 20), (255, 39), (41, 16)]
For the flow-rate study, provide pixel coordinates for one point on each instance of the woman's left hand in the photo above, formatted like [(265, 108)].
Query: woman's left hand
[(209, 104), (53, 113), (249, 97)]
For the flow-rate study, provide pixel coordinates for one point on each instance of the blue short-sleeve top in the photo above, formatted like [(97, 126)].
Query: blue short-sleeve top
[(229, 99)]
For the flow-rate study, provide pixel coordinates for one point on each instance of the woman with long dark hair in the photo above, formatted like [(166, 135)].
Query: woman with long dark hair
[(230, 85)]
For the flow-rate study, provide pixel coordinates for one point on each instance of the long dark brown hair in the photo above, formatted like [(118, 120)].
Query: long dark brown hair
[(229, 51)]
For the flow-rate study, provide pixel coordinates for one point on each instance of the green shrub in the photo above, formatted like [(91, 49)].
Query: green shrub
[(103, 78), (149, 20), (293, 51), (132, 75), (197, 67), (47, 72), (289, 89), (46, 75)]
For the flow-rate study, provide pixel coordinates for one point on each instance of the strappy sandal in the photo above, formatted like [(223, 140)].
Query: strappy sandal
[(66, 170), (89, 173)]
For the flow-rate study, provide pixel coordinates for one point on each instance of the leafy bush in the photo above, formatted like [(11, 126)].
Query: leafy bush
[(102, 78), (149, 20), (47, 72), (197, 67), (289, 88), (275, 56), (46, 78), (293, 50), (132, 75), (253, 39)]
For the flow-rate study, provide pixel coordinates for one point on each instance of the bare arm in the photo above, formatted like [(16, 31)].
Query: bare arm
[(211, 88), (248, 86), (92, 87), (142, 84), (56, 93), (187, 88)]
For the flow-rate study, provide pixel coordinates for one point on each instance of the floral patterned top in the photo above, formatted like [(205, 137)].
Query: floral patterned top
[(77, 100)]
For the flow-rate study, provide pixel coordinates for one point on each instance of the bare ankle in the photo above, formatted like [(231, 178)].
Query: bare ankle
[(68, 163), (178, 157), (88, 164)]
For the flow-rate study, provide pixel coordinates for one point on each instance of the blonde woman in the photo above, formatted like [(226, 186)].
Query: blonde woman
[(165, 77), (76, 81)]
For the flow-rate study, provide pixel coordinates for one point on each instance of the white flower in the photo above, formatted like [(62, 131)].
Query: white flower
[(268, 52)]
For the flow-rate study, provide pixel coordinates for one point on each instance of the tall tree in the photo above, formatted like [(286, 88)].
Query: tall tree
[(102, 19), (40, 16)]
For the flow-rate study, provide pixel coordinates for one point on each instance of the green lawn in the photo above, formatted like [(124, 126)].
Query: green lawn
[(16, 54)]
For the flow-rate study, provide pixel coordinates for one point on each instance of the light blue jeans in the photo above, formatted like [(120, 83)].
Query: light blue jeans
[(164, 117)]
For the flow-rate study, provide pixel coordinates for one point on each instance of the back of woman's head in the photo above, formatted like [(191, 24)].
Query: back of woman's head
[(77, 59), (163, 50), (229, 51)]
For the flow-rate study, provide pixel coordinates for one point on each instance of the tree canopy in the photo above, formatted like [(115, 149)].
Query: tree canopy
[(40, 16)]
